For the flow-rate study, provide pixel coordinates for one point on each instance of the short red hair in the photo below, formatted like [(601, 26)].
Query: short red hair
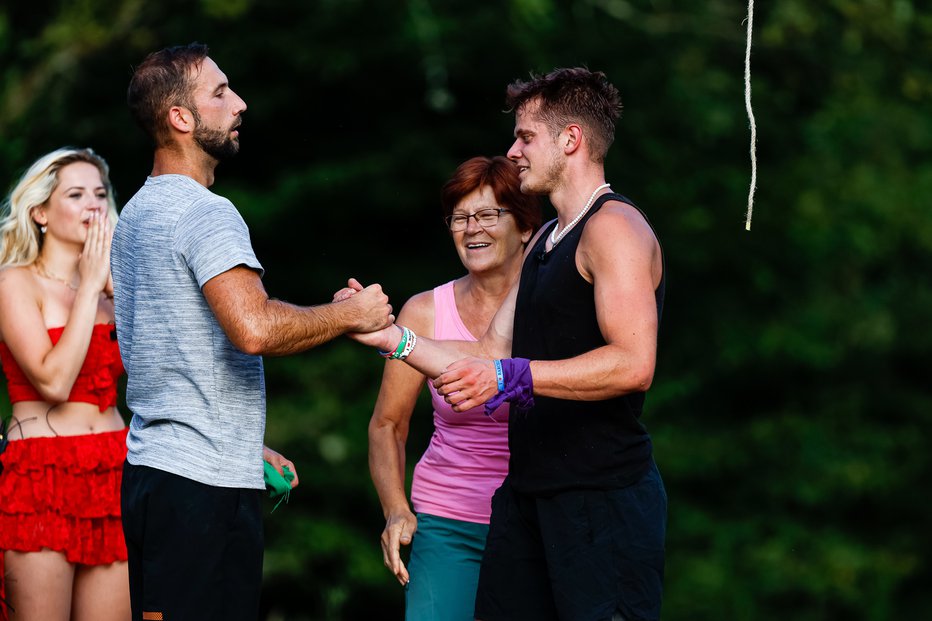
[(500, 174)]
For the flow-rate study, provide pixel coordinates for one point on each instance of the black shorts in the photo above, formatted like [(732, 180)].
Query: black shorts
[(195, 551), (581, 555)]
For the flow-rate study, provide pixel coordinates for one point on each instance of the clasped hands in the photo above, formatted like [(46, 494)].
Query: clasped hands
[(466, 383)]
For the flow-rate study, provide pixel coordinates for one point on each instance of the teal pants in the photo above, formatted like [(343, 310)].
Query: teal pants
[(444, 569)]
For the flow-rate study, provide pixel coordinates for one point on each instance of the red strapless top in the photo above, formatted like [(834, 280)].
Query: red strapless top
[(96, 382)]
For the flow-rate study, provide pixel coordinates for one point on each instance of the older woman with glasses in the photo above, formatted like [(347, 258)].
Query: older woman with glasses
[(490, 222)]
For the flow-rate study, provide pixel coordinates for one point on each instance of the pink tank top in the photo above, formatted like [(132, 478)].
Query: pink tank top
[(468, 453)]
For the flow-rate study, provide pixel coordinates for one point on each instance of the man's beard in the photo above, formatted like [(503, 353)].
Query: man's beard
[(551, 178), (216, 143)]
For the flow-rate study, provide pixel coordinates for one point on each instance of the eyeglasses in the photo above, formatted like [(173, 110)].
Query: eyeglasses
[(486, 218)]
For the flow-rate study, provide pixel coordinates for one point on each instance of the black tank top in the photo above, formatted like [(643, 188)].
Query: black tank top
[(561, 444)]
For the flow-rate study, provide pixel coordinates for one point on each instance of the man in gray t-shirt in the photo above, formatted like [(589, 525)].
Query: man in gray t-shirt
[(193, 321), (198, 402)]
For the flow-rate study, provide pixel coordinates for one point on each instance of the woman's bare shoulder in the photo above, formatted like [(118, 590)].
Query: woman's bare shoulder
[(18, 276), (418, 313)]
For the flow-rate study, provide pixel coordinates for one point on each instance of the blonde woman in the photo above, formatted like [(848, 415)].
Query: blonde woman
[(65, 442)]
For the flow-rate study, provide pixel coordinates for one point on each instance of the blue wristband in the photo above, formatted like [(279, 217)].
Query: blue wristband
[(499, 376), (518, 387)]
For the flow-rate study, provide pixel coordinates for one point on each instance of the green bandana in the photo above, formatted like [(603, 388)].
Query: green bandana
[(277, 484)]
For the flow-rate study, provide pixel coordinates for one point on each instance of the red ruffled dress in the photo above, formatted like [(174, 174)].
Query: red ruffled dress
[(63, 492)]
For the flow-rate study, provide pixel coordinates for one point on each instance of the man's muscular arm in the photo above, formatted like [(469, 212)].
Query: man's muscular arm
[(257, 324), (620, 256)]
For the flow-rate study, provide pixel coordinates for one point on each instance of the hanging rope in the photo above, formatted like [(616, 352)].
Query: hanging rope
[(747, 105)]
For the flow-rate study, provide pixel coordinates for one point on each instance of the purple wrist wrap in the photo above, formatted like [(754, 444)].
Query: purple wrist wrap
[(519, 386)]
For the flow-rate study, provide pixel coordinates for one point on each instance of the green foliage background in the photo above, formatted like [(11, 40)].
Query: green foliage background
[(790, 417)]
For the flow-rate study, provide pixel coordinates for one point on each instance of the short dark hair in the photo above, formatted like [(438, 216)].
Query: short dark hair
[(500, 174), (164, 79), (574, 95)]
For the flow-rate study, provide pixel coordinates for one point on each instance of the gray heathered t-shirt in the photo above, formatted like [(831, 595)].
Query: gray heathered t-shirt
[(198, 402)]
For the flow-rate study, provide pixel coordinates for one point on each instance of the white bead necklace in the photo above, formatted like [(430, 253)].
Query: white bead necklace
[(554, 238)]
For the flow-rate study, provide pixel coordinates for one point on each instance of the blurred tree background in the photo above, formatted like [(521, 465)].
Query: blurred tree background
[(789, 413)]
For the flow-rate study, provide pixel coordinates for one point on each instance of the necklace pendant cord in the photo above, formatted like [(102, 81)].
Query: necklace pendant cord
[(40, 269), (554, 238)]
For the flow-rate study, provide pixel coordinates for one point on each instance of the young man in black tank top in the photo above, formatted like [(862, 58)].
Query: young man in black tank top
[(577, 528)]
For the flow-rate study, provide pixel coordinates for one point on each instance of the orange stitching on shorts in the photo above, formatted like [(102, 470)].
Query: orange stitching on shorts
[(153, 616)]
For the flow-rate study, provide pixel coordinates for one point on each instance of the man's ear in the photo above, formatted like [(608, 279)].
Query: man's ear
[(181, 119), (571, 138)]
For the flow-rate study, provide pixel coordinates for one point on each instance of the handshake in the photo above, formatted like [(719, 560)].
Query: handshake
[(370, 314)]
